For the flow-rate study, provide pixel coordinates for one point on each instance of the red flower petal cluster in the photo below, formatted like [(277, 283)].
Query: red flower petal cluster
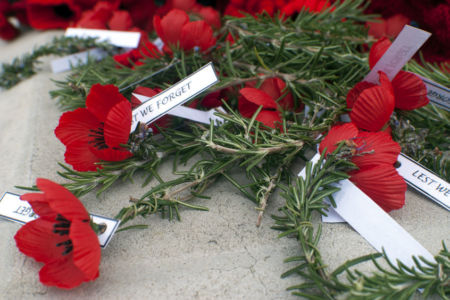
[(52, 13), (7, 30), (96, 132), (372, 105), (375, 155), (313, 6), (175, 30), (61, 237), (271, 95), (389, 27), (105, 15), (134, 57), (197, 11), (409, 90)]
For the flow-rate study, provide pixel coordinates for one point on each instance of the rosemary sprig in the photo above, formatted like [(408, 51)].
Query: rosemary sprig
[(304, 197)]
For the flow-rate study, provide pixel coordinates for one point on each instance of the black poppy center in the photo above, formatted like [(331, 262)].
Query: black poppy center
[(63, 11), (61, 227), (98, 138)]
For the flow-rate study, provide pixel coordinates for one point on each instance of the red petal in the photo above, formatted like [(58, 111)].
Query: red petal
[(197, 33), (354, 93), (120, 20), (110, 154), (62, 273), (141, 90), (377, 50), (81, 158), (39, 205), (169, 27), (382, 184), (44, 15), (118, 124), (258, 97), (385, 150), (246, 108), (210, 15), (410, 91), (102, 98), (269, 118), (61, 200), (395, 24), (337, 134), (37, 240), (374, 107), (75, 126), (86, 249)]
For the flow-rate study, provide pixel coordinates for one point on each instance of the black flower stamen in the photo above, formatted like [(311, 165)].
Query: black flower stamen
[(98, 140), (62, 227)]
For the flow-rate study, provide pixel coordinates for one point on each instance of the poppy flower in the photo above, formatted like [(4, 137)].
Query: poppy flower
[(61, 237), (372, 105), (96, 132), (375, 154), (378, 148), (7, 30), (313, 6), (336, 134), (48, 14), (409, 90), (389, 27), (98, 16), (267, 95), (175, 30), (382, 184), (134, 57)]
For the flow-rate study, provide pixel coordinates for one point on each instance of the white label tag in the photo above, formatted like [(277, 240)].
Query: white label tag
[(374, 224), (67, 62), (438, 94), (179, 93), (16, 210), (193, 114), (409, 40), (125, 39), (424, 181)]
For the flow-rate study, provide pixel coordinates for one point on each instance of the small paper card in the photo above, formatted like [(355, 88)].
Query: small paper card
[(424, 181), (374, 224), (16, 210), (193, 114), (409, 40), (179, 93), (67, 62), (125, 39), (438, 94)]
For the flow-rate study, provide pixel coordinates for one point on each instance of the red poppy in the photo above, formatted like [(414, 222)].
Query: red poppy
[(375, 154), (175, 30), (271, 95), (372, 105), (338, 133), (377, 148), (313, 6), (134, 57), (389, 27), (382, 184), (7, 30), (98, 16), (47, 14), (409, 90), (96, 132), (61, 237)]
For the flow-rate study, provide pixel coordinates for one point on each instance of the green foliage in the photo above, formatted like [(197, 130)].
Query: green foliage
[(26, 66)]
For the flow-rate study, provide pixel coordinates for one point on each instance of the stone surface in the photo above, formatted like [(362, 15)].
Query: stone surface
[(219, 254)]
